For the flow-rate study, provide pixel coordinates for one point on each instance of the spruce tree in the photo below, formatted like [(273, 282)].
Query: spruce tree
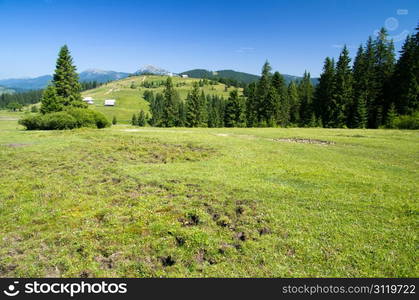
[(134, 120), (282, 106), (293, 99), (114, 121), (66, 80), (193, 107), (50, 101), (360, 90), (216, 111), (170, 107), (156, 107), (141, 121), (383, 68), (234, 111), (251, 105), (181, 122), (361, 116), (368, 80), (405, 79), (305, 94), (343, 94), (324, 93), (203, 113), (262, 105), (391, 116)]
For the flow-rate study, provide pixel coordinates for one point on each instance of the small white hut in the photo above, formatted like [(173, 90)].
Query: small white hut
[(88, 100), (110, 102)]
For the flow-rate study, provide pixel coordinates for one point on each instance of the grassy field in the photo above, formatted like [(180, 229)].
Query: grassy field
[(141, 202), (130, 100)]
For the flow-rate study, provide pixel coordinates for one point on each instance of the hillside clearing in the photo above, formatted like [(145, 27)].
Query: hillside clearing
[(128, 94)]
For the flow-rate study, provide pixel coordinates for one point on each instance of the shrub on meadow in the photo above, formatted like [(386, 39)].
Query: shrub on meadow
[(59, 121), (84, 117), (101, 120), (68, 119), (32, 122)]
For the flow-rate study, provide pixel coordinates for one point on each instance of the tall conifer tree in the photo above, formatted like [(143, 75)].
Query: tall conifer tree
[(383, 69), (234, 111), (293, 99), (170, 107), (405, 80), (305, 94), (263, 111), (343, 95), (283, 105), (323, 98), (66, 80)]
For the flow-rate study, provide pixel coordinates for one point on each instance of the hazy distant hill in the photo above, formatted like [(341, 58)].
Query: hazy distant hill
[(101, 75), (5, 90), (239, 76), (27, 83), (42, 81)]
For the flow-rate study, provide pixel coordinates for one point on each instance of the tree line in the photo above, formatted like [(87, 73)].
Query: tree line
[(371, 92), (20, 99)]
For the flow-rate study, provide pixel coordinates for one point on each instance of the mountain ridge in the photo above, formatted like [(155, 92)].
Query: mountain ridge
[(236, 75), (102, 76), (41, 82)]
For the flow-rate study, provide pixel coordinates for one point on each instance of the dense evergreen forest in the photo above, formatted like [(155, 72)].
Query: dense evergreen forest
[(17, 100), (374, 91)]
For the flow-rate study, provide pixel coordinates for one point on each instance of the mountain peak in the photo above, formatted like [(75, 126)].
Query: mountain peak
[(150, 69)]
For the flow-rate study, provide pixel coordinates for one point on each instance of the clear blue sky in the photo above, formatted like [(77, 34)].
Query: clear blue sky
[(179, 35)]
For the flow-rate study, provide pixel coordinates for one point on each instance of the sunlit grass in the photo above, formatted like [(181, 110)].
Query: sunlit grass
[(142, 202)]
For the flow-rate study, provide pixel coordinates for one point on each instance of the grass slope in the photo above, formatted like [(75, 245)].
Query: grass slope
[(130, 101), (148, 202)]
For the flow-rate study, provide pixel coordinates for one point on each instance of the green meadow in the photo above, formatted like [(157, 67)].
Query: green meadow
[(181, 202)]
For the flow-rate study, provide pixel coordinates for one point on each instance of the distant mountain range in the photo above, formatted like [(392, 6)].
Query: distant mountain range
[(22, 84), (101, 76), (239, 76), (26, 83), (42, 81)]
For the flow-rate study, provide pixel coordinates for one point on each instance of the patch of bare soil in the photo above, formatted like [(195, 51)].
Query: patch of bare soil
[(305, 141), (16, 145)]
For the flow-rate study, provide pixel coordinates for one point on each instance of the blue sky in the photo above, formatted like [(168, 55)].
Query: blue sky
[(123, 35)]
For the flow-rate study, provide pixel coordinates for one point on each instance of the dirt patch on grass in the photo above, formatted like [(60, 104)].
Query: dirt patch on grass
[(305, 141), (16, 145)]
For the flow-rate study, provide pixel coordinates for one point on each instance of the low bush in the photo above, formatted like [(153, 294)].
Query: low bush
[(59, 121), (68, 119), (32, 122), (101, 120), (84, 117), (407, 122)]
